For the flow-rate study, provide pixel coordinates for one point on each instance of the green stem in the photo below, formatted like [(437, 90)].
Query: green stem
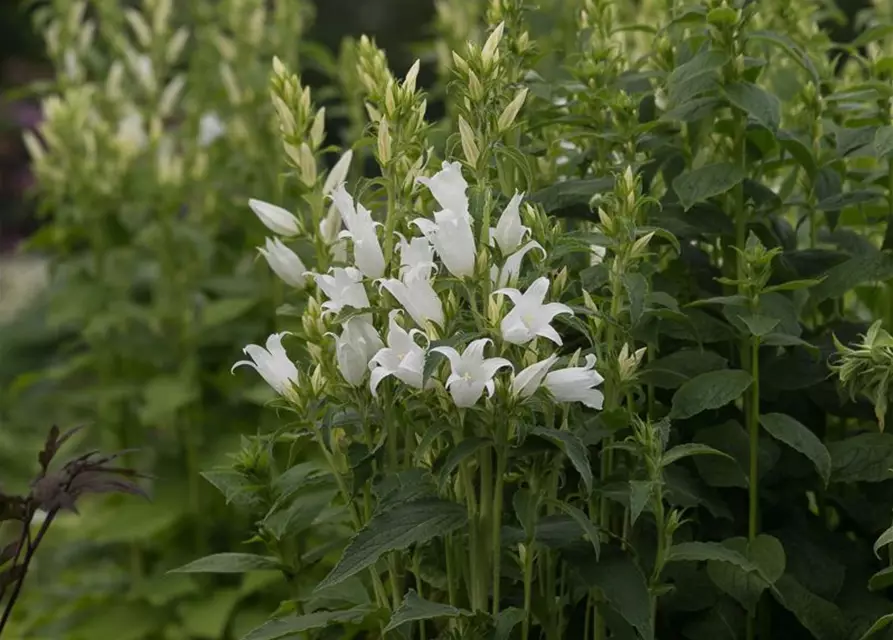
[(391, 219), (486, 517), (496, 531), (659, 558), (528, 589), (753, 419)]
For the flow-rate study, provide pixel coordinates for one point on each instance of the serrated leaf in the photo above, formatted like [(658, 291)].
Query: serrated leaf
[(758, 103), (709, 391), (765, 553), (879, 625), (883, 540), (706, 182), (673, 370), (291, 626), (507, 620), (848, 199), (759, 325), (882, 580), (573, 448), (230, 563), (636, 287), (691, 449), (785, 429), (883, 141), (793, 285), (398, 528), (235, 488), (639, 494), (707, 552), (414, 608), (823, 619), (867, 457)]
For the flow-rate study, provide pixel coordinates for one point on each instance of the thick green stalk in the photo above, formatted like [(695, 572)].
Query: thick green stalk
[(390, 225), (753, 426), (486, 517), (528, 590), (496, 530)]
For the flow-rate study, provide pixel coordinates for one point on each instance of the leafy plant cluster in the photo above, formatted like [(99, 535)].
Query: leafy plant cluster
[(603, 352)]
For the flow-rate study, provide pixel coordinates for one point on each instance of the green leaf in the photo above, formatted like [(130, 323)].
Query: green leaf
[(882, 580), (883, 540), (507, 620), (588, 527), (413, 608), (823, 619), (709, 552), (871, 34), (230, 563), (793, 285), (784, 428), (671, 371), (765, 553), (796, 53), (691, 449), (867, 457), (883, 142), (299, 515), (291, 626), (709, 391), (865, 267), (623, 586), (236, 488), (879, 625), (759, 325), (759, 104), (571, 198), (639, 493), (573, 448), (457, 454), (395, 529), (225, 311), (848, 198), (163, 396), (706, 182)]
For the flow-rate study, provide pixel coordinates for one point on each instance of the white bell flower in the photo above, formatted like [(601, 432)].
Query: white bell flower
[(448, 187), (508, 275), (338, 173), (415, 293), (355, 347), (276, 219), (367, 251), (273, 364), (577, 384), (509, 232), (471, 373), (529, 380), (453, 240), (403, 358), (530, 317), (344, 288), (285, 263), (416, 255)]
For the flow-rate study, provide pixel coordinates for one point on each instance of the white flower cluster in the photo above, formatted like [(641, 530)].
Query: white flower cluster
[(360, 352)]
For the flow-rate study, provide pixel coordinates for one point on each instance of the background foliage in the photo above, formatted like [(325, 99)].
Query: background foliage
[(772, 134)]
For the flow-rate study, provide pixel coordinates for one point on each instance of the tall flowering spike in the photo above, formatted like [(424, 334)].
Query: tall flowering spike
[(338, 173), (529, 380), (509, 232), (403, 358), (448, 187), (285, 263), (471, 373), (344, 288), (361, 230), (453, 240), (416, 255), (508, 275), (355, 347), (530, 317), (273, 364), (415, 293), (577, 384), (276, 219)]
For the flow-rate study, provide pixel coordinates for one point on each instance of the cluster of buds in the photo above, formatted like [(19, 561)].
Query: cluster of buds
[(303, 128), (867, 368)]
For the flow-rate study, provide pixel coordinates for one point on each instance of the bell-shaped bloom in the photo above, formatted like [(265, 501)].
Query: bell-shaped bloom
[(415, 293), (355, 347), (403, 358), (276, 219), (273, 364), (338, 173), (448, 187), (471, 374), (367, 253), (453, 240), (285, 263), (529, 380), (509, 232), (210, 128), (343, 287), (508, 275), (416, 255), (530, 317), (577, 384)]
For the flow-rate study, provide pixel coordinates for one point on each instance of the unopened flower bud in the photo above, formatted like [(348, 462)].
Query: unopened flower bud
[(508, 115), (384, 142), (488, 52), (469, 146)]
